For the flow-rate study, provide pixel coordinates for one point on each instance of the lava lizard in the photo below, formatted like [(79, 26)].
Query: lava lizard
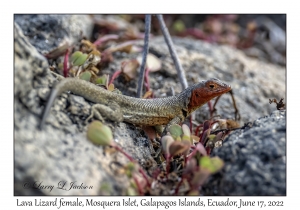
[(149, 112)]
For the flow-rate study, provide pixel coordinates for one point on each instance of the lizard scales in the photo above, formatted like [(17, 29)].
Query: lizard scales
[(158, 111)]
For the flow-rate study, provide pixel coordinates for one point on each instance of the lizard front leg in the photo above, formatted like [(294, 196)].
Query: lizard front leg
[(112, 112), (175, 120)]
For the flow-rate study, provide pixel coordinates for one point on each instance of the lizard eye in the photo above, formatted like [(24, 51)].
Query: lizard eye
[(212, 86)]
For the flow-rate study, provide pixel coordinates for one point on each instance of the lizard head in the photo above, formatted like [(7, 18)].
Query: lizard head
[(205, 91)]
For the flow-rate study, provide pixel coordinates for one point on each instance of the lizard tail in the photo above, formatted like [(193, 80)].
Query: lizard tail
[(46, 112)]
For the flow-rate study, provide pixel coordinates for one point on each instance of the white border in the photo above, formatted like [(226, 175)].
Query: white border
[(140, 7)]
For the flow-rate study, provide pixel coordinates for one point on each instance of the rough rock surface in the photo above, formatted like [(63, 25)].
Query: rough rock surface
[(255, 160), (61, 151), (46, 32)]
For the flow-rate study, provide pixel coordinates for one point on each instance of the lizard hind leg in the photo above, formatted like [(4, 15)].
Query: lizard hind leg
[(112, 112)]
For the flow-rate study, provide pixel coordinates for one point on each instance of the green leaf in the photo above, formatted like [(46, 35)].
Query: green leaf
[(178, 26), (99, 134), (75, 56), (131, 192), (176, 131), (211, 137), (213, 164), (131, 166), (78, 58), (85, 76), (101, 80)]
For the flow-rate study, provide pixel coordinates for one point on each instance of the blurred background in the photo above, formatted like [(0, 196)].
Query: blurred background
[(262, 36)]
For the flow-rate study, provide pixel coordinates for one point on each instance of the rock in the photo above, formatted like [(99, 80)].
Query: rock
[(255, 160), (47, 32)]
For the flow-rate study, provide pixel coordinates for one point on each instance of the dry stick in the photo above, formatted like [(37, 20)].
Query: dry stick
[(145, 53), (174, 56), (173, 53)]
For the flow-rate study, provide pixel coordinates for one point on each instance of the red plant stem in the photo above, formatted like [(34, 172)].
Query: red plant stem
[(210, 109), (132, 160), (192, 154), (105, 38), (114, 76), (200, 135), (208, 150), (185, 160), (155, 173), (140, 189), (124, 153), (205, 127), (177, 188), (145, 177), (216, 121), (142, 36), (66, 63), (197, 129)]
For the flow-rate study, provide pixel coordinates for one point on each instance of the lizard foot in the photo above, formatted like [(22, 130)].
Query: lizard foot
[(112, 112)]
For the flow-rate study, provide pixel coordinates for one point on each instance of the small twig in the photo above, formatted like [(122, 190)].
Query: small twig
[(280, 104), (237, 113), (229, 129), (145, 53), (172, 51)]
